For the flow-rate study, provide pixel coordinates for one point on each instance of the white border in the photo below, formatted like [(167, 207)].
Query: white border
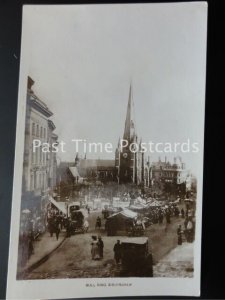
[(75, 288)]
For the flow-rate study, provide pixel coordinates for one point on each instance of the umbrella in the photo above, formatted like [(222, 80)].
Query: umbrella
[(26, 211)]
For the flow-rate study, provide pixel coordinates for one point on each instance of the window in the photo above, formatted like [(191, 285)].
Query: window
[(31, 182), (37, 131), (41, 133), (37, 155), (40, 159), (33, 129), (33, 157), (39, 181), (45, 133), (43, 180)]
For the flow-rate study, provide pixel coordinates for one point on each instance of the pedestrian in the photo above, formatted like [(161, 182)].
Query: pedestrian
[(51, 226), (189, 231), (168, 217), (95, 248), (86, 226), (57, 229), (101, 246), (177, 211), (182, 213), (179, 235), (98, 223), (117, 252), (160, 217), (149, 265)]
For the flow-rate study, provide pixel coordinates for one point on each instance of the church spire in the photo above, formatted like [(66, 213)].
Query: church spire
[(77, 159), (129, 123)]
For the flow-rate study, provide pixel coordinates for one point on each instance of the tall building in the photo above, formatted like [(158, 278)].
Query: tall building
[(172, 177), (39, 168), (129, 161)]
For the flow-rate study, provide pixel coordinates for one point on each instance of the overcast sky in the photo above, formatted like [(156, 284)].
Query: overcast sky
[(83, 58)]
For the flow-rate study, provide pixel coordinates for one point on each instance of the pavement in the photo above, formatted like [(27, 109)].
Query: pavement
[(177, 263), (44, 246)]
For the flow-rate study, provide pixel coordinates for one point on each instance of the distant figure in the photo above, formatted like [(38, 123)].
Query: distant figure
[(117, 251), (179, 235), (168, 217), (189, 231), (176, 212), (149, 265), (182, 213), (160, 217), (57, 229), (101, 246), (51, 226), (94, 249), (98, 223), (86, 226)]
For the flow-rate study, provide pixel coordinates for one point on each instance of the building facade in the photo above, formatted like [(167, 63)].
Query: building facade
[(39, 167), (171, 177)]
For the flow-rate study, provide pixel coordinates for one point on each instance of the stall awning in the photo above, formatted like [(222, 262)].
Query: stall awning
[(126, 213), (59, 205)]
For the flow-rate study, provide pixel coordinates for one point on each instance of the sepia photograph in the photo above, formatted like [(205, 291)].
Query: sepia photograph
[(109, 152)]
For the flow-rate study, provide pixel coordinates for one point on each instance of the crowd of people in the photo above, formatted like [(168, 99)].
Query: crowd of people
[(31, 226), (56, 221), (158, 214), (97, 247), (186, 232)]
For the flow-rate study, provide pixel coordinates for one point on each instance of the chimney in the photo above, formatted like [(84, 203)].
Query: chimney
[(30, 83)]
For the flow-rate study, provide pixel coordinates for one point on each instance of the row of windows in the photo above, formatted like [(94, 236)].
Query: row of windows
[(166, 174), (39, 157), (38, 131), (38, 181)]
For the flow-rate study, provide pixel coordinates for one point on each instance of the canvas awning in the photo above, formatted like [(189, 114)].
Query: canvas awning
[(74, 171), (126, 213), (59, 205)]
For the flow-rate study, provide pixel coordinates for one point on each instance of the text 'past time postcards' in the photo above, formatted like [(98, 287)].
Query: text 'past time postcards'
[(107, 193)]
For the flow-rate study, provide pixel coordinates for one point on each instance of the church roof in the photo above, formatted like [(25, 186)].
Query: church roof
[(74, 171), (96, 163)]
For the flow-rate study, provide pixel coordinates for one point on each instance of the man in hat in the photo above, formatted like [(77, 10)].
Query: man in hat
[(101, 246), (117, 251)]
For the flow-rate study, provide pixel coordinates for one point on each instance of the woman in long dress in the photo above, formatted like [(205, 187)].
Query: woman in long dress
[(95, 253)]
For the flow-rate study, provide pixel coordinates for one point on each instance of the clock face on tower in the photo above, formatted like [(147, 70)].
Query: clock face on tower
[(125, 155)]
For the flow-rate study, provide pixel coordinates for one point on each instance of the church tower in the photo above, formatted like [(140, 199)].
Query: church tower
[(127, 163)]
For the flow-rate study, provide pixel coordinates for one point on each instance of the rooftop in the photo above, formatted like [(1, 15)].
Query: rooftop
[(135, 240)]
